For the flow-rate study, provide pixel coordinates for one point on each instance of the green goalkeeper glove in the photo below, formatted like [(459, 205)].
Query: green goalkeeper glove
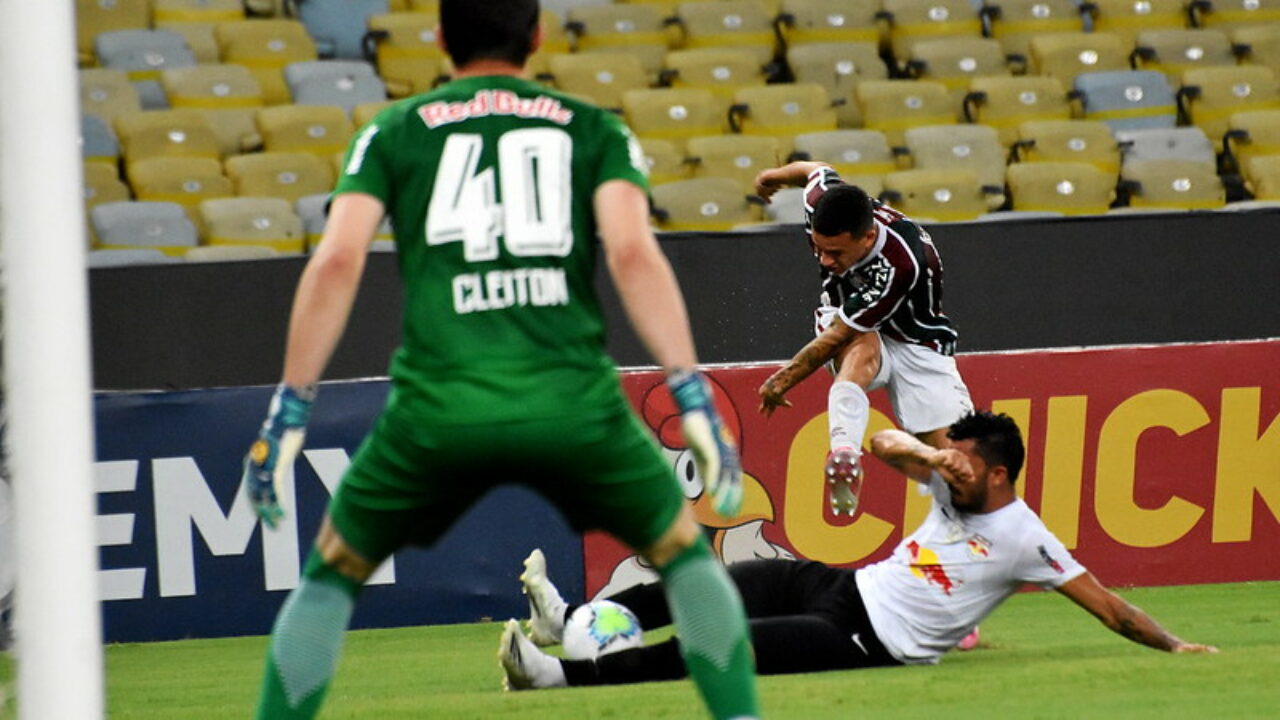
[(276, 448), (713, 449)]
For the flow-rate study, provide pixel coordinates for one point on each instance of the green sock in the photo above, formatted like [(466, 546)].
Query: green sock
[(714, 641), (305, 643)]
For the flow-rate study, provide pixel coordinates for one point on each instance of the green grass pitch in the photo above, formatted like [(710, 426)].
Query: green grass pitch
[(1042, 657)]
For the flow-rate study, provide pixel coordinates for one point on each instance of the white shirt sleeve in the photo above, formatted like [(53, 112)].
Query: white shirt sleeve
[(1045, 561)]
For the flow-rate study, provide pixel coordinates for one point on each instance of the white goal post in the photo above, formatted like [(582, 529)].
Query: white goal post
[(47, 378)]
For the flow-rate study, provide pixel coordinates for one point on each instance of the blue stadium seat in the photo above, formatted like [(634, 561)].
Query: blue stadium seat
[(338, 26), (1128, 99)]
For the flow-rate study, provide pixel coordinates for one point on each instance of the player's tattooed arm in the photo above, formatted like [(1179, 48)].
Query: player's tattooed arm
[(1124, 618), (810, 358), (918, 460)]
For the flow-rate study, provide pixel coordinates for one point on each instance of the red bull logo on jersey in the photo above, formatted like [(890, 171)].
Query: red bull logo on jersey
[(494, 102), (926, 565), (979, 546)]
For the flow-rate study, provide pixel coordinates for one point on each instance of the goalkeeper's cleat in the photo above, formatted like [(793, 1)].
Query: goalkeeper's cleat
[(843, 473), (546, 606), (526, 667)]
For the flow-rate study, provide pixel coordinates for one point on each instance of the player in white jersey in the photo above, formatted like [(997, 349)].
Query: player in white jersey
[(979, 544)]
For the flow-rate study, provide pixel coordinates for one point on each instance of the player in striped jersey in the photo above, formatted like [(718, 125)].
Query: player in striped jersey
[(879, 322)]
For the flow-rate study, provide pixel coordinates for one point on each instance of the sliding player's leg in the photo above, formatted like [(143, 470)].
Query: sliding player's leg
[(860, 367)]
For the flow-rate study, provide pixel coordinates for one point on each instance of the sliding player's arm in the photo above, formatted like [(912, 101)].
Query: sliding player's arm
[(651, 297), (811, 357), (794, 174), (321, 306), (1123, 618), (917, 460)]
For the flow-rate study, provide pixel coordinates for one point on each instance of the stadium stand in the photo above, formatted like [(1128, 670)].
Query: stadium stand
[(1182, 143), (632, 29), (1128, 99), (1088, 141), (107, 93), (266, 47), (1172, 184), (782, 111), (838, 67), (268, 222), (196, 11), (184, 133), (1210, 96), (101, 185), (892, 106), (337, 26), (403, 45), (723, 71), (345, 83), (744, 24), (736, 157), (135, 256), (143, 55), (317, 129), (184, 181), (955, 62), (1258, 45), (98, 145), (1173, 52), (1015, 22), (94, 17), (674, 114), (703, 205), (229, 95), (128, 225), (802, 22), (226, 253), (936, 195), (601, 78), (1070, 188), (286, 175), (1251, 134), (913, 20), (862, 157), (1006, 102), (1232, 14), (666, 163), (975, 148), (1126, 18), (1067, 55), (1262, 175)]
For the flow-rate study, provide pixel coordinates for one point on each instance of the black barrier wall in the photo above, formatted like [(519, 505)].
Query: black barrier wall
[(1111, 280)]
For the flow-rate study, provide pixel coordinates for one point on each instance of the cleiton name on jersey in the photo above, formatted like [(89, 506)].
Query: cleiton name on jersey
[(494, 102), (502, 289)]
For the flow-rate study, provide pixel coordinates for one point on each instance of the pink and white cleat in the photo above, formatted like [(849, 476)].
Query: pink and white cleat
[(843, 472), (969, 641)]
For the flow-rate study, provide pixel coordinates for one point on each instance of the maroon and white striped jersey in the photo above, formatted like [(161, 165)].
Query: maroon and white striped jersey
[(897, 288)]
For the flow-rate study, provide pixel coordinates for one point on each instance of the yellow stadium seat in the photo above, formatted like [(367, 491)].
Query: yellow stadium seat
[(1262, 177), (838, 67), (1232, 14), (1014, 22), (179, 133), (892, 106), (1211, 95), (1071, 188), (1006, 102), (1251, 134), (107, 93), (955, 62), (94, 17), (1126, 18), (602, 79), (782, 111), (406, 53), (197, 11), (975, 148), (286, 175), (321, 130), (915, 20), (1173, 52), (102, 185), (721, 70), (364, 113), (936, 195), (1066, 55), (1089, 141), (674, 114), (702, 205), (637, 30), (829, 21), (185, 181), (736, 157), (228, 94), (665, 161), (265, 221), (199, 37), (1173, 184), (734, 23), (862, 157), (1258, 45), (266, 47)]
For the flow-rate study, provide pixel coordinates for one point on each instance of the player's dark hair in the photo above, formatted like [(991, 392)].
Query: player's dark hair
[(489, 29), (842, 208), (997, 439)]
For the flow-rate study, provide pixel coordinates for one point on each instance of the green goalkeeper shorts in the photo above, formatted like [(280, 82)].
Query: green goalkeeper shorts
[(408, 483)]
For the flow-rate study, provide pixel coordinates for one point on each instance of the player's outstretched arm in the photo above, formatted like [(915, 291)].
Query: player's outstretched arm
[(651, 297), (918, 460), (1123, 618), (811, 357), (794, 174), (321, 307)]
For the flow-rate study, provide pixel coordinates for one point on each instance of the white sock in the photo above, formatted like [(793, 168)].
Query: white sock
[(848, 412)]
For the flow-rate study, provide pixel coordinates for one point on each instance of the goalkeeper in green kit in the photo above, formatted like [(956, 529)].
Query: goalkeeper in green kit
[(497, 189)]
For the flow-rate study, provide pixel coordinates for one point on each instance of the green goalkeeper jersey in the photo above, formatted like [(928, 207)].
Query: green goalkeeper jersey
[(488, 182)]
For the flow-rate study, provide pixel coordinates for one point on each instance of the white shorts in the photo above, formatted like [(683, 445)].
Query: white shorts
[(925, 387)]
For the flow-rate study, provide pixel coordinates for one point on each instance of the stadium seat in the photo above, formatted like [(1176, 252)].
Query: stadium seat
[(95, 17), (185, 181), (338, 26), (405, 50), (229, 95), (1231, 14), (1210, 96), (782, 111), (721, 70), (631, 29), (1014, 22), (229, 253), (838, 67), (1262, 177), (862, 157), (279, 174), (144, 54), (107, 93), (266, 47), (102, 185), (345, 83), (269, 222), (1173, 184), (1258, 45), (123, 258), (321, 130), (736, 157), (936, 195), (702, 205), (892, 106), (914, 20), (196, 11), (162, 226), (1251, 134), (1006, 102), (1181, 143), (1173, 52), (1087, 141), (1071, 188), (199, 37), (674, 114), (98, 144), (1128, 99), (600, 78), (555, 41), (743, 24), (1126, 18), (954, 62), (786, 206), (364, 113), (1066, 55), (975, 148), (665, 161), (801, 22), (182, 133)]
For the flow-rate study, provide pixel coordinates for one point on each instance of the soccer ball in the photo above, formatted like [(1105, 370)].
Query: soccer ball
[(599, 628)]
